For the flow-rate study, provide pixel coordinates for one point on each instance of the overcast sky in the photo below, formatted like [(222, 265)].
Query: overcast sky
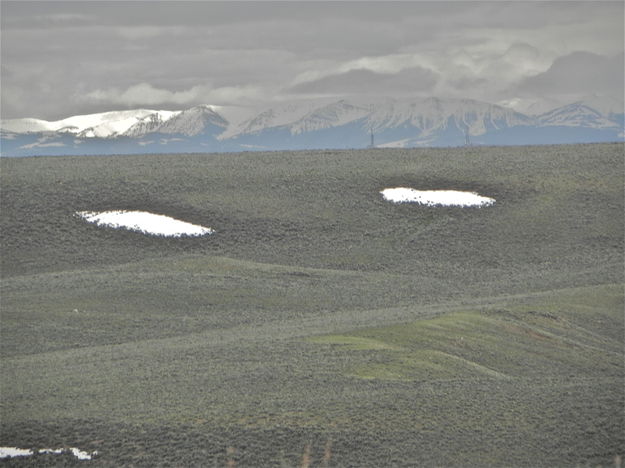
[(65, 58)]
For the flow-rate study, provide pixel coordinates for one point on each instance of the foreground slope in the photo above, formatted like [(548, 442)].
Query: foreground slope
[(317, 314)]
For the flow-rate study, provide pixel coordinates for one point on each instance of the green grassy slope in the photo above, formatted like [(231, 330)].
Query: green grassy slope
[(405, 335), (544, 336)]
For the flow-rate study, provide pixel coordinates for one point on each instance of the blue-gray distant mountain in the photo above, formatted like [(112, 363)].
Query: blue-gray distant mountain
[(394, 123), (343, 123)]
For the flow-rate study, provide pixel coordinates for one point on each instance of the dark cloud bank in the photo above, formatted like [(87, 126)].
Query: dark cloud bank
[(63, 58)]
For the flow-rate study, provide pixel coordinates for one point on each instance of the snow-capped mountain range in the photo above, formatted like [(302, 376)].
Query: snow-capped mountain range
[(313, 124)]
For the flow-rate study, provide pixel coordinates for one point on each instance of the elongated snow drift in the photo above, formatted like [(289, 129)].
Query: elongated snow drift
[(10, 452), (435, 197), (144, 222)]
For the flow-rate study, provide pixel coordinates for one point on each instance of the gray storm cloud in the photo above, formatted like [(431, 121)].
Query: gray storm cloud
[(146, 94), (413, 80), (579, 73), (64, 58)]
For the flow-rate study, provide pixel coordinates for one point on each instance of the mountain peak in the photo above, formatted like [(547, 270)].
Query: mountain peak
[(335, 114), (576, 114), (189, 122), (326, 123)]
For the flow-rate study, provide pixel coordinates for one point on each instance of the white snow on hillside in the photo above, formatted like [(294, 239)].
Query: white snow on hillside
[(332, 115), (420, 121), (435, 197), (378, 114), (433, 114), (104, 124), (193, 121), (279, 115), (27, 125), (144, 222), (119, 127), (10, 452), (577, 114), (606, 105)]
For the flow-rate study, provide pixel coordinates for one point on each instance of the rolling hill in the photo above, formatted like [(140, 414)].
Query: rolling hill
[(319, 321)]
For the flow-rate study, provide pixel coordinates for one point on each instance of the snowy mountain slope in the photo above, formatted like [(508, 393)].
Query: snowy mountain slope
[(27, 125), (148, 124), (102, 125), (433, 114), (577, 114), (427, 115), (275, 116), (190, 122), (604, 104), (338, 123), (332, 115)]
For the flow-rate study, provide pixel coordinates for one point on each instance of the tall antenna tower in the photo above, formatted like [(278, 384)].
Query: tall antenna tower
[(372, 145), (467, 138)]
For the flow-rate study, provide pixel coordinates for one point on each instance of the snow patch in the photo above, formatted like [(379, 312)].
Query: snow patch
[(81, 455), (435, 197), (144, 222), (51, 451), (9, 452)]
